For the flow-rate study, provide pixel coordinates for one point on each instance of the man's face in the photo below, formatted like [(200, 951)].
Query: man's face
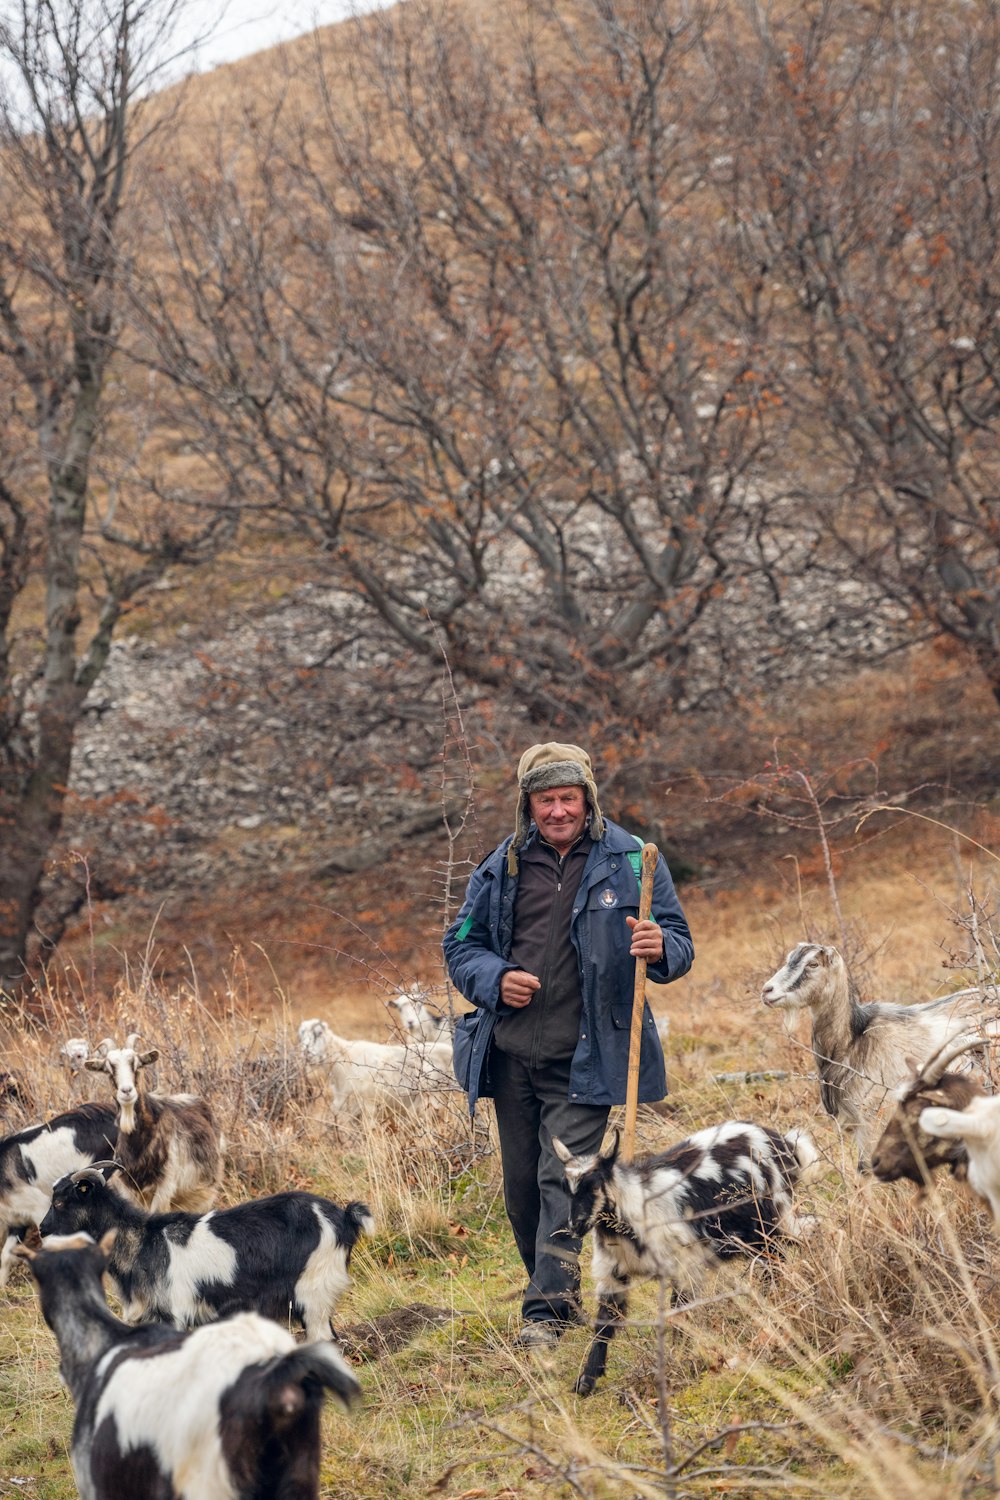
[(560, 813)]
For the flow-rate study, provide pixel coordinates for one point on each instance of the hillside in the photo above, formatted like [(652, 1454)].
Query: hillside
[(212, 817), (451, 407), (486, 387)]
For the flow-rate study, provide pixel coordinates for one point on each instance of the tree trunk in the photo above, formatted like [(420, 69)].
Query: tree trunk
[(28, 825)]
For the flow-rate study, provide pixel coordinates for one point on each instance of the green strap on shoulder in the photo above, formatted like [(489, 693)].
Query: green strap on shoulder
[(635, 860), (463, 931)]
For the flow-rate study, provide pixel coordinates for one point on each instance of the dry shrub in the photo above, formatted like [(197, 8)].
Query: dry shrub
[(902, 1299), (875, 1338), (275, 1113), (868, 1353)]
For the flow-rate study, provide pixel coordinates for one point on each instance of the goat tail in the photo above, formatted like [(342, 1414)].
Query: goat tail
[(810, 1166), (323, 1364), (298, 1380), (359, 1218)]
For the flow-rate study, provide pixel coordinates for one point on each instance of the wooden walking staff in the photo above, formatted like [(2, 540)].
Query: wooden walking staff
[(650, 854)]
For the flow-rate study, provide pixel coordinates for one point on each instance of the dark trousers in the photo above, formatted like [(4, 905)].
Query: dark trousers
[(531, 1108)]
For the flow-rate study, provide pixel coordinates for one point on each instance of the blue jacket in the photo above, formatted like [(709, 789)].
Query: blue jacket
[(478, 942)]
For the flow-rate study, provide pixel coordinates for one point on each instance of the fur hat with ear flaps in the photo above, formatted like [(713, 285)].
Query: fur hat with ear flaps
[(545, 766)]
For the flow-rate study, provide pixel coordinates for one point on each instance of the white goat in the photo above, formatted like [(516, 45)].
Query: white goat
[(169, 1147), (73, 1056), (978, 1127), (359, 1071), (420, 1023), (863, 1051), (74, 1053)]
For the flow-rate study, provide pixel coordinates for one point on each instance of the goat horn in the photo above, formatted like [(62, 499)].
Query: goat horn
[(133, 1039), (86, 1174), (93, 1173), (933, 1067), (103, 1048)]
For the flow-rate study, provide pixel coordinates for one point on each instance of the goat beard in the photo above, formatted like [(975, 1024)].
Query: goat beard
[(126, 1119)]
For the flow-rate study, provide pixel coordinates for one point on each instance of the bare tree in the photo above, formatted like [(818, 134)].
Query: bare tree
[(869, 185), (82, 532), (467, 330)]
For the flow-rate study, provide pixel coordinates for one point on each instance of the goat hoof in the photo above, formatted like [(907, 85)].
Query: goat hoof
[(584, 1386)]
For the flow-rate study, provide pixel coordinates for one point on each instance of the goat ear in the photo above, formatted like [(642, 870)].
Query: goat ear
[(563, 1152), (106, 1243), (96, 1064), (145, 1058), (611, 1154)]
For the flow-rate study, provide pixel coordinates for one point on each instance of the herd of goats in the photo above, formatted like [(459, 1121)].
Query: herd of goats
[(201, 1392)]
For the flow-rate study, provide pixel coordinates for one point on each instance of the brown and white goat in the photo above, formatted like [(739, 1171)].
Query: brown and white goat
[(169, 1147), (863, 1050), (904, 1150), (977, 1128), (971, 1126)]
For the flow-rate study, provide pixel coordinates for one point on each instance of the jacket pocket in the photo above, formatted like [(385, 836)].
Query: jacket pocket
[(462, 1043), (621, 1017)]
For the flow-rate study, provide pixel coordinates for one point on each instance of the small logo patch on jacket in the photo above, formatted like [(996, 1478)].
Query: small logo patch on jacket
[(607, 897)]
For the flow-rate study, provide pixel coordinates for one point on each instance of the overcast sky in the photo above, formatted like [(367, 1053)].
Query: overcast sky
[(251, 25), (245, 26)]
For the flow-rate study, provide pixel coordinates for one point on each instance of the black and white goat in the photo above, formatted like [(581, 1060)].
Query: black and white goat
[(283, 1256), (169, 1146), (864, 1051), (32, 1160), (226, 1412), (723, 1192)]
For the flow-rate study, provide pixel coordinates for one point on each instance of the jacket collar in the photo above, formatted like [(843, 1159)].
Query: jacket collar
[(615, 841)]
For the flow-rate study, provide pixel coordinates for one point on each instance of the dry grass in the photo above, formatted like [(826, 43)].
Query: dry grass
[(863, 1365)]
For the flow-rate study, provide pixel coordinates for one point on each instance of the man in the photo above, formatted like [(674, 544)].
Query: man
[(544, 947)]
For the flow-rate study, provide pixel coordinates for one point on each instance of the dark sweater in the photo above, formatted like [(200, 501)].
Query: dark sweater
[(548, 1026)]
